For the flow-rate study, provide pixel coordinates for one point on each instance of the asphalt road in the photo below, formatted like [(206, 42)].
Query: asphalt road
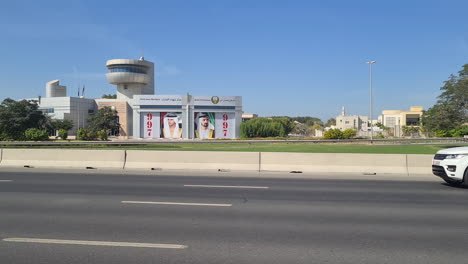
[(100, 218)]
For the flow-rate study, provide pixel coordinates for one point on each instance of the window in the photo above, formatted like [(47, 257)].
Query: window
[(412, 120), (133, 69), (48, 110)]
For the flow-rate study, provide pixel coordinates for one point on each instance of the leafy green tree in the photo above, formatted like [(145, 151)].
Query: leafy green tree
[(65, 124), (442, 116), (266, 127), (104, 119), (331, 122), (302, 129), (451, 110), (18, 116), (317, 126)]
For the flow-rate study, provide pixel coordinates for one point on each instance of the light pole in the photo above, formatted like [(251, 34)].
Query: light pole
[(372, 129)]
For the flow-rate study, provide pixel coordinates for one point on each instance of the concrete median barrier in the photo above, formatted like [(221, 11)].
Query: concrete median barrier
[(192, 160), (334, 162), (67, 158), (229, 161), (419, 164)]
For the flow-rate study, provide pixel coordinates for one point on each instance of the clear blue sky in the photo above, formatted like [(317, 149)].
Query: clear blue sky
[(283, 57)]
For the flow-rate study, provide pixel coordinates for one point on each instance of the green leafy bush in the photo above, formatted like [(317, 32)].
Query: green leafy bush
[(459, 131), (102, 135), (333, 134), (5, 137), (86, 134), (63, 134), (349, 133), (380, 135), (442, 133), (35, 134)]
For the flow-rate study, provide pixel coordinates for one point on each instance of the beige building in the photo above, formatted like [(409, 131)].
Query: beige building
[(247, 117), (124, 115), (395, 119)]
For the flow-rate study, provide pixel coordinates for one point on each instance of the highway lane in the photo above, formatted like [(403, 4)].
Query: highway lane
[(317, 220)]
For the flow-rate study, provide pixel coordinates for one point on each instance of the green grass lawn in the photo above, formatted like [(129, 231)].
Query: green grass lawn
[(275, 147)]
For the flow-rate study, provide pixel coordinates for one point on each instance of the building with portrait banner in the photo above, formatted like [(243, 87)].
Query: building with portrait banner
[(145, 115), (186, 116)]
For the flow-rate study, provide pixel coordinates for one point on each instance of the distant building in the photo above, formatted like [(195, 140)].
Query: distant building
[(395, 119), (358, 123), (247, 117), (60, 106), (141, 113)]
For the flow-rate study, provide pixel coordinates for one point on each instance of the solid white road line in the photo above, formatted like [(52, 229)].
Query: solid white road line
[(92, 243), (5, 180), (171, 203), (226, 186)]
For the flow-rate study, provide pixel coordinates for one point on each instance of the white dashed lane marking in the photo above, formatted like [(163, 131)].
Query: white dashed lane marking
[(92, 243), (227, 186), (173, 203)]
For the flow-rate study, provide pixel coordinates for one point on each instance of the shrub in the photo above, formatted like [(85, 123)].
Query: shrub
[(333, 134), (81, 134), (380, 135), (5, 137), (86, 134), (35, 134), (349, 133), (102, 135), (63, 134), (459, 131), (442, 133)]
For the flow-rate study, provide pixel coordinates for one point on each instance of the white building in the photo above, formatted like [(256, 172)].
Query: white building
[(224, 114), (60, 106), (142, 114)]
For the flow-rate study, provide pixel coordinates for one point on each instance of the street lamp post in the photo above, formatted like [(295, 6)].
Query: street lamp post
[(372, 129)]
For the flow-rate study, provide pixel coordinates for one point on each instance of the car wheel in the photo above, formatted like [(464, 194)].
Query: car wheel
[(465, 178), (453, 182)]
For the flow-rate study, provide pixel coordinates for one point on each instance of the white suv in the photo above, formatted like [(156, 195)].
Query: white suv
[(451, 165)]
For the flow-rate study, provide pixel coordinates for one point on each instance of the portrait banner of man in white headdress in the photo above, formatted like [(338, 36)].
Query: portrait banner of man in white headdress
[(204, 125), (171, 125)]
